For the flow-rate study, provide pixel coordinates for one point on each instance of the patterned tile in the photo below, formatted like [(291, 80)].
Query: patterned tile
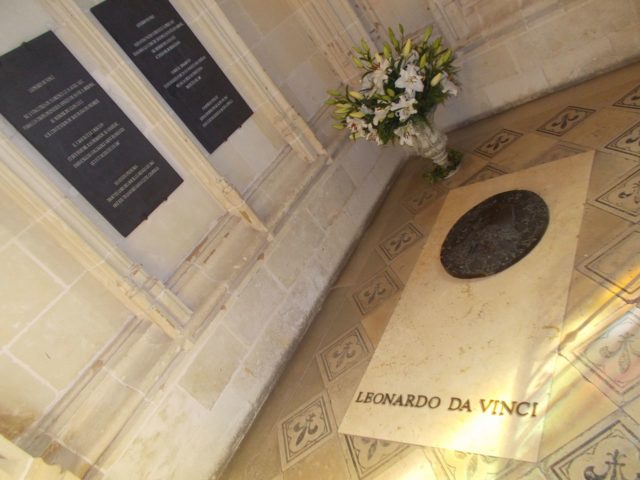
[(610, 359), (610, 450), (622, 199), (557, 152), (400, 240), (304, 430), (630, 100), (369, 456), (628, 142), (452, 465), (617, 266), (487, 172), (420, 199), (565, 121), (497, 143), (375, 291), (346, 352)]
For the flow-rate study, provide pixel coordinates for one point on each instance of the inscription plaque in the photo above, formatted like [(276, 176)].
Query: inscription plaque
[(495, 234), (48, 96), (169, 55)]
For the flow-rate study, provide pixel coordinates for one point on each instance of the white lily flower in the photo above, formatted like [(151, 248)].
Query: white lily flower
[(356, 126), (406, 134), (374, 81), (373, 135), (410, 79), (404, 107), (366, 110), (380, 114), (448, 86)]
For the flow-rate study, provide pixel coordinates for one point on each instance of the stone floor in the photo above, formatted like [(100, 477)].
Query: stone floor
[(592, 429)]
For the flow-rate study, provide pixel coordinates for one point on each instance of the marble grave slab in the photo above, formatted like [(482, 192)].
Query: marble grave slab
[(466, 364)]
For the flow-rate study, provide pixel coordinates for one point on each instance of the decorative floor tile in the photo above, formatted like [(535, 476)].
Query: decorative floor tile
[(630, 100), (610, 450), (497, 143), (375, 291), (623, 199), (611, 358), (346, 352), (304, 430), (557, 152), (565, 120), (400, 240), (419, 200), (452, 465), (617, 266), (485, 173), (371, 455), (628, 142)]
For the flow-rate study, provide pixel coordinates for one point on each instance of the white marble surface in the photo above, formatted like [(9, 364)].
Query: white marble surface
[(483, 340)]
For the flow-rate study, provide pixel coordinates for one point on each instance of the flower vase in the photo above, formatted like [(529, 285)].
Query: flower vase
[(431, 143)]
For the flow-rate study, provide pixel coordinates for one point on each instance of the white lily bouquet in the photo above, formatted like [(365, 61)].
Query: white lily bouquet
[(399, 89)]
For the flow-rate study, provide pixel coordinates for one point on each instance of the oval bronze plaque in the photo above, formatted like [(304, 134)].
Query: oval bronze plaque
[(495, 234)]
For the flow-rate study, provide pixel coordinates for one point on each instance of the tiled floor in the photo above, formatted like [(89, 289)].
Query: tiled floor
[(592, 429)]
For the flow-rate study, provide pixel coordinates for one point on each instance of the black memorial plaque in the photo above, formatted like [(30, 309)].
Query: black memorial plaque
[(495, 234), (169, 55), (59, 108)]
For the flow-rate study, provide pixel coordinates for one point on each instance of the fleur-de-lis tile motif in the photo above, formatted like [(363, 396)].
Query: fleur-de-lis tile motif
[(400, 240), (346, 352), (608, 451), (617, 266), (487, 172), (630, 100), (623, 199), (369, 455), (452, 465), (613, 468), (497, 143), (628, 142), (419, 200), (375, 291), (611, 360), (304, 430), (565, 120)]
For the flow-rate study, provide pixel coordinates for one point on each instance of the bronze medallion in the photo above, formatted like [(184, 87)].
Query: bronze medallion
[(495, 234)]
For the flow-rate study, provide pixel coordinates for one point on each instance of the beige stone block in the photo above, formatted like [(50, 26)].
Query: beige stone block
[(229, 163), (297, 243), (580, 62), (487, 67), (333, 251), (311, 285), (608, 169), (358, 158), (516, 88), (284, 48), (56, 257), (256, 146), (266, 19), (58, 454), (99, 416), (242, 22), (309, 83), (144, 357), (24, 398), (167, 443), (14, 218), (329, 197), (169, 234), (213, 366), (25, 289), (68, 335)]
